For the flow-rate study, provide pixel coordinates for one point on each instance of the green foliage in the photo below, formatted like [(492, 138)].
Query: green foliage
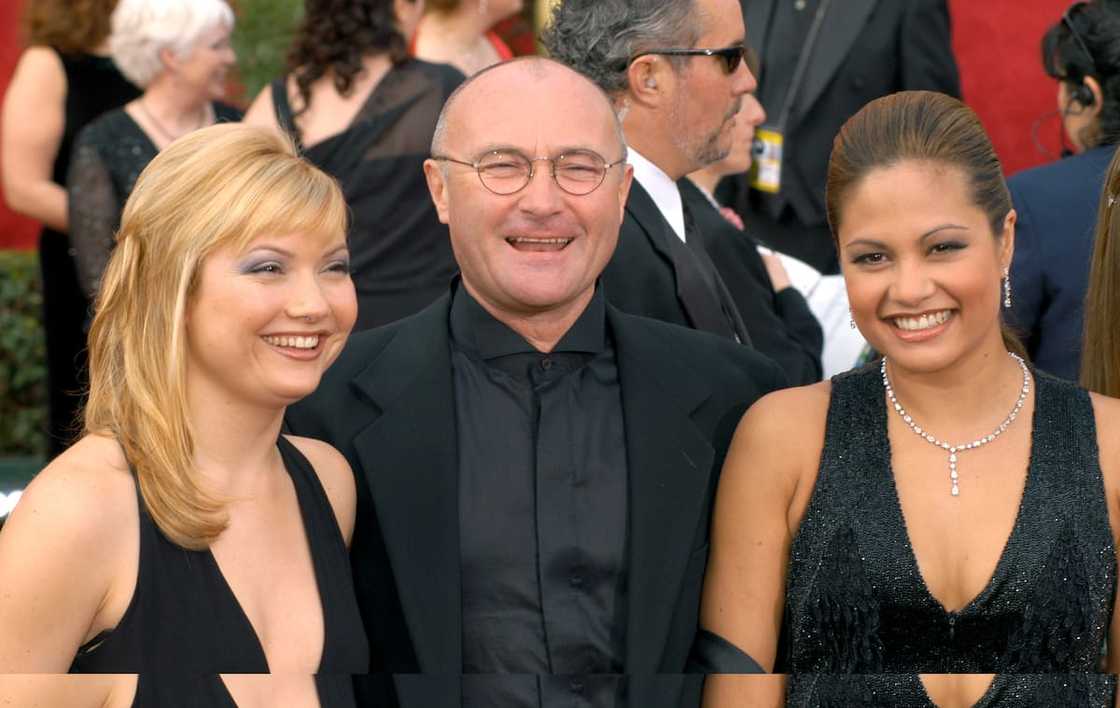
[(23, 370), (261, 38)]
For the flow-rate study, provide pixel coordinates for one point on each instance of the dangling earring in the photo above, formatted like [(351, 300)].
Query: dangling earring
[(851, 320), (1006, 288)]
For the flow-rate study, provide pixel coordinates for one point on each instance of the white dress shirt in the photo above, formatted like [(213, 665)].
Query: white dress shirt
[(662, 189)]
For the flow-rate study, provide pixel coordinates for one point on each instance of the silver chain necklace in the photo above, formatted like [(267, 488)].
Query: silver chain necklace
[(954, 450)]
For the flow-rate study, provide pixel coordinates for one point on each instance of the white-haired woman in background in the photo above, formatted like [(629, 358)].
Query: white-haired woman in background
[(179, 52)]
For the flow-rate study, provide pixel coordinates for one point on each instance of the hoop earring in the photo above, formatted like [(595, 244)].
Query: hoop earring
[(1006, 288)]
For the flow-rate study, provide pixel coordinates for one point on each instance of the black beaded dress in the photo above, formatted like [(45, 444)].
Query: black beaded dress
[(109, 156), (856, 602), (184, 625)]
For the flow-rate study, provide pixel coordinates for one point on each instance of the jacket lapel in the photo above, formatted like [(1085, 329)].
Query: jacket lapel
[(756, 15), (842, 26), (410, 457), (669, 463)]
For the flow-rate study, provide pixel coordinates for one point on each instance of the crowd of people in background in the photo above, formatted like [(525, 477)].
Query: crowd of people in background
[(712, 342)]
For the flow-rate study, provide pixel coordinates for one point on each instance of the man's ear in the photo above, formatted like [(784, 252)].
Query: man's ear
[(624, 190), (647, 76), (437, 187)]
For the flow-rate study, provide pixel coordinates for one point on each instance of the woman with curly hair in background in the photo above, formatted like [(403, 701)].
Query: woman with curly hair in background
[(364, 112), (458, 32), (63, 81)]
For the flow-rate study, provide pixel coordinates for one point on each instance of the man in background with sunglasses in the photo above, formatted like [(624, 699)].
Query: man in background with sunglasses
[(821, 61), (674, 70), (535, 469)]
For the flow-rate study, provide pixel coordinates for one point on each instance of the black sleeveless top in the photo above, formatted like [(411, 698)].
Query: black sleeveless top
[(184, 625), (400, 254), (856, 602)]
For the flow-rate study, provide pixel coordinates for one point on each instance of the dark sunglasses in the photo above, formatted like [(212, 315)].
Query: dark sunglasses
[(732, 56)]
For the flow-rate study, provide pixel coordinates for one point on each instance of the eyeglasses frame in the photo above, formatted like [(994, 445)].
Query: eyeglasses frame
[(477, 165)]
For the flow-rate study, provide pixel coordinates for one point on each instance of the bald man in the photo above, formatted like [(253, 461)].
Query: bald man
[(535, 468)]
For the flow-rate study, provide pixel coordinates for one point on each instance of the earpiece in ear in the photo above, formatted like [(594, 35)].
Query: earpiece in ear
[(1083, 95), (651, 84)]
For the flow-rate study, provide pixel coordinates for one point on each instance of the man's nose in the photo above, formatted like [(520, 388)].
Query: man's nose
[(542, 194)]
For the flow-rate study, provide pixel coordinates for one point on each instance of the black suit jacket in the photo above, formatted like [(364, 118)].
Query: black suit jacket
[(642, 278), (866, 49), (781, 325), (387, 404)]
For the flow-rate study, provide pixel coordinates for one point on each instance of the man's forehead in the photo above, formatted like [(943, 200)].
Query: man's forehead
[(528, 112)]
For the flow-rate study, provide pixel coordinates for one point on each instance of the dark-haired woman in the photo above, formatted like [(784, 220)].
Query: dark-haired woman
[(901, 533), (1056, 202), (364, 112), (63, 81)]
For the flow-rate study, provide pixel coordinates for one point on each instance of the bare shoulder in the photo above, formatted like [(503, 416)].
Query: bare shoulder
[(336, 477), (261, 113), (41, 64), (84, 492), (788, 417), (1106, 411)]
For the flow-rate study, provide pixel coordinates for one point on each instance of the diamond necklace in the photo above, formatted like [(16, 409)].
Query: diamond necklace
[(955, 450)]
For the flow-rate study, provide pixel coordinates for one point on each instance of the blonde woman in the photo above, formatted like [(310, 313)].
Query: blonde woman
[(1100, 365), (183, 535)]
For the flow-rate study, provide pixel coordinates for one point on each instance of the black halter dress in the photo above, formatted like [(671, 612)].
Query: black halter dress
[(184, 625), (856, 602)]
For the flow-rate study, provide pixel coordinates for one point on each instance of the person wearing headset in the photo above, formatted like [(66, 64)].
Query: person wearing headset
[(1057, 202)]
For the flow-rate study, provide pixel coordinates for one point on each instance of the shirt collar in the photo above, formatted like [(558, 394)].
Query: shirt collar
[(477, 331), (662, 189)]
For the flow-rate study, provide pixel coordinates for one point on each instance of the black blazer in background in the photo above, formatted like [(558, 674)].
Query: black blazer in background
[(781, 325), (642, 279), (387, 405), (866, 49)]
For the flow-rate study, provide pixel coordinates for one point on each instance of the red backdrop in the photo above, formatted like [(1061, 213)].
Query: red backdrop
[(996, 42), (15, 231)]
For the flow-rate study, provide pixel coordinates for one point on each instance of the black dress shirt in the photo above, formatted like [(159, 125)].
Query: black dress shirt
[(542, 510)]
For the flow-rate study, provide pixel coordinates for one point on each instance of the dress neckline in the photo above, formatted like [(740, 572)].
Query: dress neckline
[(1026, 497)]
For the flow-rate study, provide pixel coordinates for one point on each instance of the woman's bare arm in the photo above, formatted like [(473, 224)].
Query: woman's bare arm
[(31, 126), (63, 552), (759, 505)]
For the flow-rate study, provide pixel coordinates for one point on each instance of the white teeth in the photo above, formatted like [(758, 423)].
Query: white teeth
[(293, 342), (924, 322), (543, 241)]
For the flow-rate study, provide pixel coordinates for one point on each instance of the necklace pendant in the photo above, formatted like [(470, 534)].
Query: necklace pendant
[(953, 478)]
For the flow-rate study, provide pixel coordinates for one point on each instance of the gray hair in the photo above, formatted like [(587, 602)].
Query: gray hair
[(141, 29), (598, 38), (537, 65)]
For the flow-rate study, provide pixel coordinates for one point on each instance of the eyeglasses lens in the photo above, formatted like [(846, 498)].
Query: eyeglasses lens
[(577, 172)]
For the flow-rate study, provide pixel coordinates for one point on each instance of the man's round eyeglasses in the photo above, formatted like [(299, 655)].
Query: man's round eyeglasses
[(505, 172), (732, 56)]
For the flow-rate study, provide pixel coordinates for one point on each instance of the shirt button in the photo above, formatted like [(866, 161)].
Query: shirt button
[(546, 363), (576, 686), (576, 581)]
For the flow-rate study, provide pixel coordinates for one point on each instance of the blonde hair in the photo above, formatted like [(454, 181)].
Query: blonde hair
[(218, 186), (1100, 353)]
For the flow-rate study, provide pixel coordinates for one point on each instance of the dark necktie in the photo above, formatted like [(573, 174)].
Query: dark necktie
[(732, 322)]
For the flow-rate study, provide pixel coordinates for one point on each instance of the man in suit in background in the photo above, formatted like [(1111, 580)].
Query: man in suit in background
[(859, 51), (535, 469), (674, 71)]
